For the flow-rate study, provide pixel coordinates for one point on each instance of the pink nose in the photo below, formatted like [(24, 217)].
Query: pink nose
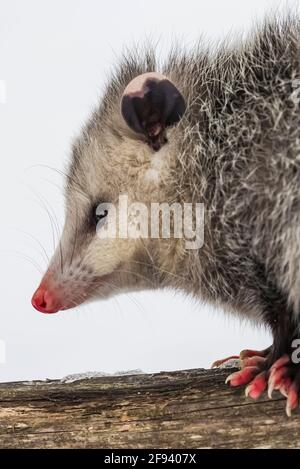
[(45, 301)]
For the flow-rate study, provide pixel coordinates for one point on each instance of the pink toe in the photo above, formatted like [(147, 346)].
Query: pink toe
[(242, 377), (257, 386)]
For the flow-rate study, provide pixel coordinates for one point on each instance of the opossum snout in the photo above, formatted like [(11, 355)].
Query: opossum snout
[(46, 301), (64, 290)]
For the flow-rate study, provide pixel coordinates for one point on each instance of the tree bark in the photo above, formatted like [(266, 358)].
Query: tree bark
[(182, 409)]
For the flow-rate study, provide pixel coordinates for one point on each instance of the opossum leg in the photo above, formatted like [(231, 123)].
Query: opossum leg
[(242, 357)]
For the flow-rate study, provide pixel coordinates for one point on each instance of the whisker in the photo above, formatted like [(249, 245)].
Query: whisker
[(58, 230), (118, 289), (159, 269), (65, 175), (29, 259), (61, 257), (52, 183), (154, 285), (44, 206), (147, 251), (136, 302), (44, 252), (127, 295), (118, 306), (53, 218)]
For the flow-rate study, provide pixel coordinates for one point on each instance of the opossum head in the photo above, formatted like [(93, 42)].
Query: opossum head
[(125, 155)]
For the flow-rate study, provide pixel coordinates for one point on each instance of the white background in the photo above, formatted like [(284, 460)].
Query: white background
[(54, 59)]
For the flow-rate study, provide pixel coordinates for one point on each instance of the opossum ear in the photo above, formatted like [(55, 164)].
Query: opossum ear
[(151, 103)]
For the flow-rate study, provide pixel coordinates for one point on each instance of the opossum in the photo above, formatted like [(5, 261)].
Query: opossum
[(218, 127)]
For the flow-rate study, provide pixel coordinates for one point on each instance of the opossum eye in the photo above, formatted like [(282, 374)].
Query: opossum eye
[(100, 214), (150, 104)]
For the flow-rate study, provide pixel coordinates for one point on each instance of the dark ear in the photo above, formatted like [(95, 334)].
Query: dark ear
[(150, 104)]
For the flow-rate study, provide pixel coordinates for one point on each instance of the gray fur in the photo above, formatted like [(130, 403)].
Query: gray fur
[(237, 150)]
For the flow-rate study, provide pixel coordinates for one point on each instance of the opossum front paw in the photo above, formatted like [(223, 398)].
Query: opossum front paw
[(282, 375)]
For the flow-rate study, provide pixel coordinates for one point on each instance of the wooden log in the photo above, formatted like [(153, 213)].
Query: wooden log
[(182, 409)]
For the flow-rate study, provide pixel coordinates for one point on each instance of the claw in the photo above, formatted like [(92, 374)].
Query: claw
[(292, 399), (288, 410), (270, 390), (230, 377), (285, 386)]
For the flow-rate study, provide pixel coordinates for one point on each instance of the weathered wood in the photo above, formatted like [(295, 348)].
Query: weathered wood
[(184, 409)]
